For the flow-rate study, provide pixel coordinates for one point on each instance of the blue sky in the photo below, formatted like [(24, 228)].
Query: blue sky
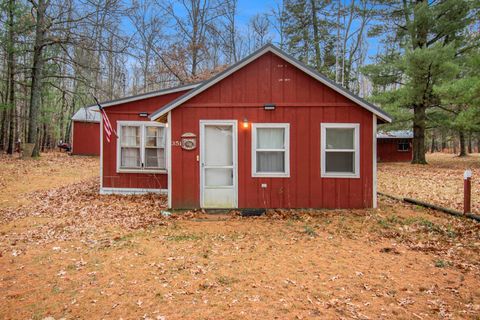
[(248, 8)]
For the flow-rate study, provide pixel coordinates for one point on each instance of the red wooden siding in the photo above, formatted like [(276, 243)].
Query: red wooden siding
[(387, 151), (129, 112), (301, 101), (86, 138)]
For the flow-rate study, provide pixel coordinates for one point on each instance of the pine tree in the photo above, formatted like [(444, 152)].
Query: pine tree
[(461, 99), (428, 37)]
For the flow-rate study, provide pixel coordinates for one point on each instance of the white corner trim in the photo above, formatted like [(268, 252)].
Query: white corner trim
[(323, 151), (101, 154), (169, 158), (72, 136), (131, 191), (374, 125), (286, 150)]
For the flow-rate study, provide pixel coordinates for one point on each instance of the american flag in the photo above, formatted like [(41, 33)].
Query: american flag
[(107, 126)]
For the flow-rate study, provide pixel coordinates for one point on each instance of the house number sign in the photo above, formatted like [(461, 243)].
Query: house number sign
[(188, 141)]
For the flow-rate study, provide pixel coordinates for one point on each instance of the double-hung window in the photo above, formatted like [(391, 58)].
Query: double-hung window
[(340, 150), (270, 150), (141, 146), (403, 145)]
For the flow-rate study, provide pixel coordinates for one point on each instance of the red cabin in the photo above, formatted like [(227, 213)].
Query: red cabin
[(86, 132), (268, 132), (395, 146)]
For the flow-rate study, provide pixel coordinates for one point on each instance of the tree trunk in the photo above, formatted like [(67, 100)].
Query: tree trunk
[(470, 145), (3, 130), (419, 135), (444, 141), (37, 70), (316, 37), (463, 149), (337, 47), (11, 78), (433, 146)]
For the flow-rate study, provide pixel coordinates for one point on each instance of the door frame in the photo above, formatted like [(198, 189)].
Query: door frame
[(233, 123)]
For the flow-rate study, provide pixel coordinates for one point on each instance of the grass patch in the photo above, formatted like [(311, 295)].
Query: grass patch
[(225, 280), (389, 221), (439, 263), (183, 237), (123, 238), (56, 290), (309, 230)]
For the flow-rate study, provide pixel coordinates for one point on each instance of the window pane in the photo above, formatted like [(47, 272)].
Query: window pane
[(271, 161), (270, 138), (130, 136), (154, 137), (340, 138), (155, 158), (130, 158), (220, 146), (340, 162), (218, 177)]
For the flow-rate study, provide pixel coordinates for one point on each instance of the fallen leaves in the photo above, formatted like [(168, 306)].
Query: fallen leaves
[(119, 256), (79, 210), (440, 182)]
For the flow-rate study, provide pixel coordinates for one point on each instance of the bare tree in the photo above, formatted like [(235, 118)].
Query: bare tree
[(260, 26), (193, 27)]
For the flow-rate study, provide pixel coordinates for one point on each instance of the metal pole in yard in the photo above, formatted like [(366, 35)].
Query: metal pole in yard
[(467, 191)]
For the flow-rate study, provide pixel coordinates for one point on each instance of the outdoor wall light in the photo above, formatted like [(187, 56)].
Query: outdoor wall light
[(143, 114), (269, 106), (245, 123)]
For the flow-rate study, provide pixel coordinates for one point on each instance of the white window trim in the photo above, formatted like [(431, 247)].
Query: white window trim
[(323, 150), (142, 125), (398, 146), (285, 174)]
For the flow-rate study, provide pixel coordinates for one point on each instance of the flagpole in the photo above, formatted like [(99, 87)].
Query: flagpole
[(103, 113)]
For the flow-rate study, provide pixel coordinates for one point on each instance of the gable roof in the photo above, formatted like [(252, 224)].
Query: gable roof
[(270, 48), (87, 114), (397, 134), (147, 95)]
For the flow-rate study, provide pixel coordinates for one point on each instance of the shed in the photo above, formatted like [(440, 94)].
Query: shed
[(395, 146), (86, 132)]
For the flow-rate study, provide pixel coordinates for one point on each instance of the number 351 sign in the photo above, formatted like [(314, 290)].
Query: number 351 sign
[(188, 141)]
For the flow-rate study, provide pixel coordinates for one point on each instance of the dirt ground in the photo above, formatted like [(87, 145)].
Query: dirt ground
[(440, 182), (70, 253)]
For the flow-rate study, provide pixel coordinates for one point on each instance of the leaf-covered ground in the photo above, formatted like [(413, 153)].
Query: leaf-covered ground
[(19, 177), (440, 182), (71, 253)]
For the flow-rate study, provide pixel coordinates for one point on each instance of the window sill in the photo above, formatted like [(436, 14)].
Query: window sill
[(340, 175), (160, 171), (271, 175)]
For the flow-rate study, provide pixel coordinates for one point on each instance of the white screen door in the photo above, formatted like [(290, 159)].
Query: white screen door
[(218, 164)]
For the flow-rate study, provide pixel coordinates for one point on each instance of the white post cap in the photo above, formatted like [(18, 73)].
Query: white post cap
[(467, 174)]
